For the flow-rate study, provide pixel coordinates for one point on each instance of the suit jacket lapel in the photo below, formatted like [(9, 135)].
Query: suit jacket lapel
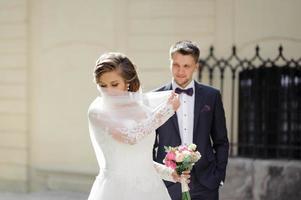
[(198, 102)]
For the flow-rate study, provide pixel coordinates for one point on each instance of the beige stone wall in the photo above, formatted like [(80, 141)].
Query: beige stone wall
[(153, 26), (47, 54), (13, 94)]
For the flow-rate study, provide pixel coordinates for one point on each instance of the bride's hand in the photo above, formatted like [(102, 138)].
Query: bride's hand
[(174, 101), (185, 175)]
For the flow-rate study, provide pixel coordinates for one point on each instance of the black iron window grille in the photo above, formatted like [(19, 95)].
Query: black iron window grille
[(263, 98)]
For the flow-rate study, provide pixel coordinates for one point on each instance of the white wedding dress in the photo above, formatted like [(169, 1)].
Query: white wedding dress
[(127, 171)]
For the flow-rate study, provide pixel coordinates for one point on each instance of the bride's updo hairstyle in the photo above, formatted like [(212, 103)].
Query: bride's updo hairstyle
[(117, 62)]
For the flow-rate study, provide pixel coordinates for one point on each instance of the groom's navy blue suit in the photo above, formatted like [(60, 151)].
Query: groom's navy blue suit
[(210, 136)]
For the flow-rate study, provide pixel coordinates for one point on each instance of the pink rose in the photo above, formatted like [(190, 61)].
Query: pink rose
[(171, 155), (170, 164)]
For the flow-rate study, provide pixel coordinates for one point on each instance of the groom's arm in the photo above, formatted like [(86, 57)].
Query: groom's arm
[(219, 137)]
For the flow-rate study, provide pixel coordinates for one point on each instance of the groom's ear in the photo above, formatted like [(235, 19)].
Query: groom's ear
[(197, 66)]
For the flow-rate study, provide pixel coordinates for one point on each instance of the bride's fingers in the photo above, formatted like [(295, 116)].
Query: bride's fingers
[(187, 180), (186, 172), (170, 98), (175, 95), (185, 176)]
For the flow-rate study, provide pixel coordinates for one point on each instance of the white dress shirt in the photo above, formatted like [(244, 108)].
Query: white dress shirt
[(185, 113)]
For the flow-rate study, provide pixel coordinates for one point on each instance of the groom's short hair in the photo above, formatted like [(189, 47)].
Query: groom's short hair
[(185, 47)]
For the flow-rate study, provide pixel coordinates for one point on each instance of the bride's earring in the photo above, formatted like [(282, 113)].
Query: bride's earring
[(128, 88)]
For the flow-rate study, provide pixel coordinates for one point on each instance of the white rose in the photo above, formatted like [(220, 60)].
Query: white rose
[(192, 147)]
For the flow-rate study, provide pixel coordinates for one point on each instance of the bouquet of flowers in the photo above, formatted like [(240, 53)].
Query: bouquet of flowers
[(182, 158)]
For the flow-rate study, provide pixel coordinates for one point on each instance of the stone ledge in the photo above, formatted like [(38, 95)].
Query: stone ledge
[(262, 180)]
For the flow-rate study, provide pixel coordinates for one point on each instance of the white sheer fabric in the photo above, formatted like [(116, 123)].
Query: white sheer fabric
[(122, 132)]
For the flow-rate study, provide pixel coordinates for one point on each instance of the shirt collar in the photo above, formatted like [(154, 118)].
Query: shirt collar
[(175, 85)]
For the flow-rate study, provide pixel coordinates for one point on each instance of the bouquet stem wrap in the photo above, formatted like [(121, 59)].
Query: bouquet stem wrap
[(184, 185), (185, 190)]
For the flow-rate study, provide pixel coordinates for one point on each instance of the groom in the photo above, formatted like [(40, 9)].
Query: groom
[(199, 120)]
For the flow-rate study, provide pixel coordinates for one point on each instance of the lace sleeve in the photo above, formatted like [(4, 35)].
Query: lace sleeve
[(128, 125), (134, 134)]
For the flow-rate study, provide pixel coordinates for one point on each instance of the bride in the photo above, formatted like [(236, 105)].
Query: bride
[(122, 123)]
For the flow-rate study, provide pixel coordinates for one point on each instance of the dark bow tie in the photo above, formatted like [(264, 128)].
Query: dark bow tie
[(188, 91)]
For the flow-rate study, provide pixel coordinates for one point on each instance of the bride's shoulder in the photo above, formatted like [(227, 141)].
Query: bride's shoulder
[(95, 106)]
